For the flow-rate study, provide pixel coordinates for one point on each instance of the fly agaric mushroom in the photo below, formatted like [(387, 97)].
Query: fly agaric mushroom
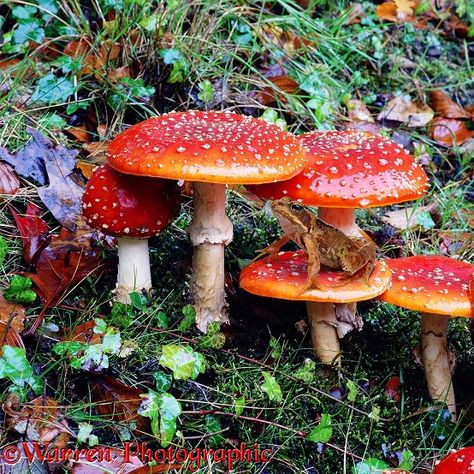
[(210, 149), (132, 209), (459, 461), (347, 170), (285, 277), (439, 288)]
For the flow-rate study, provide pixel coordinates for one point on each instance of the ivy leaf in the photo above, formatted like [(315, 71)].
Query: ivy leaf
[(207, 92), (20, 290), (85, 435), (306, 372), (162, 381), (323, 432), (170, 409), (189, 317), (3, 250), (407, 460), (53, 90), (30, 31), (370, 466), (162, 320), (15, 366), (352, 391), (23, 14), (183, 361), (271, 387)]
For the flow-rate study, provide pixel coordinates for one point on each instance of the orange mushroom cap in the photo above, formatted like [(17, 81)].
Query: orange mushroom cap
[(129, 206), (285, 276), (214, 147), (457, 462), (430, 284), (351, 169)]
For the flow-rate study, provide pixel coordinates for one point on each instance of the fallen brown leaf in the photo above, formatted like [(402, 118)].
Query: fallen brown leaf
[(282, 84), (118, 402), (86, 168), (119, 73), (9, 181), (408, 218), (98, 151), (449, 131), (398, 11), (81, 133), (12, 316), (452, 243), (358, 111), (447, 108), (403, 109), (83, 333)]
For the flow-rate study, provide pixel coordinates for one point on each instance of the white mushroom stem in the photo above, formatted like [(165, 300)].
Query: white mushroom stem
[(133, 268), (436, 359), (210, 231), (323, 326)]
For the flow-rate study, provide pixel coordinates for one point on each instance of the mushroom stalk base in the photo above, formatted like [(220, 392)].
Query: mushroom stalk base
[(210, 232), (133, 268), (435, 356), (323, 326)]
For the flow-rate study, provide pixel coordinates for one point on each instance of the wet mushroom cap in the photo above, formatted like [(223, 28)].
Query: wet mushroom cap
[(457, 462), (214, 147), (129, 206), (430, 284), (351, 169), (284, 277)]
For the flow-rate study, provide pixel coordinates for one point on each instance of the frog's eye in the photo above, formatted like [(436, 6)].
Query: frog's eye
[(295, 207)]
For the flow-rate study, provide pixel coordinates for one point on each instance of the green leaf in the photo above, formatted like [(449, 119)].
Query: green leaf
[(3, 250), (183, 361), (100, 326), (306, 372), (24, 13), (323, 432), (162, 320), (15, 366), (370, 466), (53, 90), (30, 31), (50, 7), (162, 381), (85, 429), (150, 409), (276, 348), (271, 387), (170, 409), (239, 405), (111, 342), (20, 290), (425, 220), (407, 460), (189, 318), (171, 56), (352, 391), (214, 339), (375, 413), (213, 425), (70, 348), (207, 91), (138, 300)]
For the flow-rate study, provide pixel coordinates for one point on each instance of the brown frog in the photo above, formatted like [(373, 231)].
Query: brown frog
[(325, 245)]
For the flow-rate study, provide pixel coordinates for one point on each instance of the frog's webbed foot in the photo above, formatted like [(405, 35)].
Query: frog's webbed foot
[(273, 249)]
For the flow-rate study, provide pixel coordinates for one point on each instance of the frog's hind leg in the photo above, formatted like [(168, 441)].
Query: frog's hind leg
[(314, 264), (273, 249)]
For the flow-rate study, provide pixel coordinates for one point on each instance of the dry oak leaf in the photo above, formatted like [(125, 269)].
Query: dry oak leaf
[(9, 181), (41, 420), (12, 316), (118, 402), (358, 111), (281, 84), (403, 109), (449, 131), (398, 11), (447, 108)]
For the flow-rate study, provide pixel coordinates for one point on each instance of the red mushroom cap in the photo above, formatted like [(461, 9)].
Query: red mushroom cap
[(285, 276), (214, 147), (457, 462), (430, 284), (348, 169), (129, 206)]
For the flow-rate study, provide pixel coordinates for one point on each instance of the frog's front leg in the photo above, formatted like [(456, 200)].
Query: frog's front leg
[(368, 249), (314, 263), (273, 249)]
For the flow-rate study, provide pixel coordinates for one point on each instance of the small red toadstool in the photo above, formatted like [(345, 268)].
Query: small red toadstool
[(459, 461), (210, 149), (284, 278), (133, 209), (347, 170), (439, 288)]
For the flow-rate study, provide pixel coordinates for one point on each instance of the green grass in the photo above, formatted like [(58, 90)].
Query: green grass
[(175, 50)]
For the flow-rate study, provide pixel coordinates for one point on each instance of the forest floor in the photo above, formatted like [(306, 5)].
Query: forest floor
[(78, 74)]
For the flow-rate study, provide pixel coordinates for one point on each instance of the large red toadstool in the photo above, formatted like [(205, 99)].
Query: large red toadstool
[(133, 209), (210, 149), (459, 461), (439, 288), (285, 277), (347, 170)]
